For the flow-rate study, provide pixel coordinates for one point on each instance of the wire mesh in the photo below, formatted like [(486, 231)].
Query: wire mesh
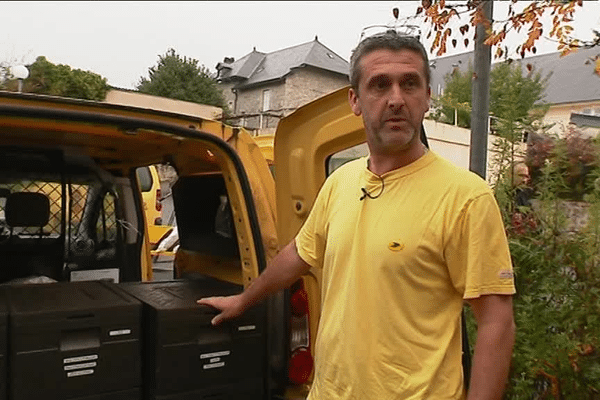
[(106, 226)]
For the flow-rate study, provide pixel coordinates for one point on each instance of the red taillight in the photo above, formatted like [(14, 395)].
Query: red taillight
[(299, 302), (301, 360), (158, 202), (301, 365)]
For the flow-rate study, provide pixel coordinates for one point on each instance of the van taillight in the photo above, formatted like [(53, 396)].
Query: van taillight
[(158, 198), (301, 366), (301, 359), (299, 302)]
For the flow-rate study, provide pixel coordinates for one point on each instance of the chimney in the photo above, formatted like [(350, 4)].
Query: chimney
[(224, 68)]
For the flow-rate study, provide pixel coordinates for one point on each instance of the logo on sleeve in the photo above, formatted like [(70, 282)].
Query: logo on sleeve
[(505, 274), (395, 246)]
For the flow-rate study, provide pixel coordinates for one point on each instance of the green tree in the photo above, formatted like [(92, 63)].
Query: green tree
[(182, 78), (513, 97), (454, 106), (60, 80)]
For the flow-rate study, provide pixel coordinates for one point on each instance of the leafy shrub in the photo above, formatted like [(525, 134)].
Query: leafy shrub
[(575, 155), (557, 272)]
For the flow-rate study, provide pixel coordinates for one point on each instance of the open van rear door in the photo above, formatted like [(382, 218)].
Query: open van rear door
[(309, 144), (304, 142)]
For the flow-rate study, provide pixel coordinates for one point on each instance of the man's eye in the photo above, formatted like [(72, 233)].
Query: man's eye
[(411, 83), (380, 84)]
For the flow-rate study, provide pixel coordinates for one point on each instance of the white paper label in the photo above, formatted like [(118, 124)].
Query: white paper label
[(247, 328), (216, 365), (216, 354), (80, 373), (71, 367), (119, 332), (111, 274), (80, 359)]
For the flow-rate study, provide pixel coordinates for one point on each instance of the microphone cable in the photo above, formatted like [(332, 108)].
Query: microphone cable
[(367, 194)]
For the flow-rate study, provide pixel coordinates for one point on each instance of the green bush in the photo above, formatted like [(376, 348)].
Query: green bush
[(557, 274)]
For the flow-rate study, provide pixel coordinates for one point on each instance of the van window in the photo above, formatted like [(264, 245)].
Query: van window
[(204, 216), (145, 178), (79, 233), (340, 158)]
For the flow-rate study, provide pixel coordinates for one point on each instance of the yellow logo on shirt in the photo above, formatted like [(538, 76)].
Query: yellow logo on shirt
[(395, 246)]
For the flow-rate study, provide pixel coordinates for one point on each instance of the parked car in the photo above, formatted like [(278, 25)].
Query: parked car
[(152, 196)]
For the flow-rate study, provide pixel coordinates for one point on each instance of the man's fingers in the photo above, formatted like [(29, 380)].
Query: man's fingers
[(226, 307), (216, 320), (211, 301), (207, 301), (214, 302)]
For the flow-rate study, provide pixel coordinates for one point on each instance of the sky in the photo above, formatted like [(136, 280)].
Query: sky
[(121, 40)]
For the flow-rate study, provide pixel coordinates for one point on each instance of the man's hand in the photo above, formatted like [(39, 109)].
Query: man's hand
[(230, 307), (285, 268)]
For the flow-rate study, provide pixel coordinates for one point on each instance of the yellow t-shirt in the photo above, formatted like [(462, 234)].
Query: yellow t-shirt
[(395, 272)]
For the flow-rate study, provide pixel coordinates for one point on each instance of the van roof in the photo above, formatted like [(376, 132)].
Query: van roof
[(115, 136)]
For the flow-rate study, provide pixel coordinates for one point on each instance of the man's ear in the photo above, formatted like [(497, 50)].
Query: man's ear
[(354, 103)]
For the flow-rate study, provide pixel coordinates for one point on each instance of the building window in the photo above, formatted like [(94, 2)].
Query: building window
[(266, 100)]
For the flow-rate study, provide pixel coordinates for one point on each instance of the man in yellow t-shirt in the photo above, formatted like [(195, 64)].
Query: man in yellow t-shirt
[(402, 237), (396, 268)]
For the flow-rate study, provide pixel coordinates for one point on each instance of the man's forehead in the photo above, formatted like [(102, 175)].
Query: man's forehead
[(406, 60)]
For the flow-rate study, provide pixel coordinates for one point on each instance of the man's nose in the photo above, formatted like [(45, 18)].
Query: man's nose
[(395, 99)]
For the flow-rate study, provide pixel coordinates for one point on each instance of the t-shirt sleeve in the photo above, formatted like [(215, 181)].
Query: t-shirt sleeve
[(311, 239), (477, 253)]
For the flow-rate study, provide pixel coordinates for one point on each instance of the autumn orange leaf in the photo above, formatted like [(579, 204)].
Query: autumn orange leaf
[(439, 14)]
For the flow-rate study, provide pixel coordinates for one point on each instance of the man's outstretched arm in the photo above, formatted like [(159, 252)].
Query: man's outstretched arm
[(283, 270), (493, 348)]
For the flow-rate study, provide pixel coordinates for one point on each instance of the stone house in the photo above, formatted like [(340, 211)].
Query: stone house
[(261, 88)]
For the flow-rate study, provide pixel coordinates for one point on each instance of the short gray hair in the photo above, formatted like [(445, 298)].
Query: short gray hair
[(389, 40)]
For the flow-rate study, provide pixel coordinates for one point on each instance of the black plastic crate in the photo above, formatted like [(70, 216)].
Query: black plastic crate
[(185, 357), (74, 340)]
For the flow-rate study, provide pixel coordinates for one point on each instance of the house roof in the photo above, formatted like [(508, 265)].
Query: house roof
[(245, 66), (571, 79), (442, 66), (585, 120), (256, 67)]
